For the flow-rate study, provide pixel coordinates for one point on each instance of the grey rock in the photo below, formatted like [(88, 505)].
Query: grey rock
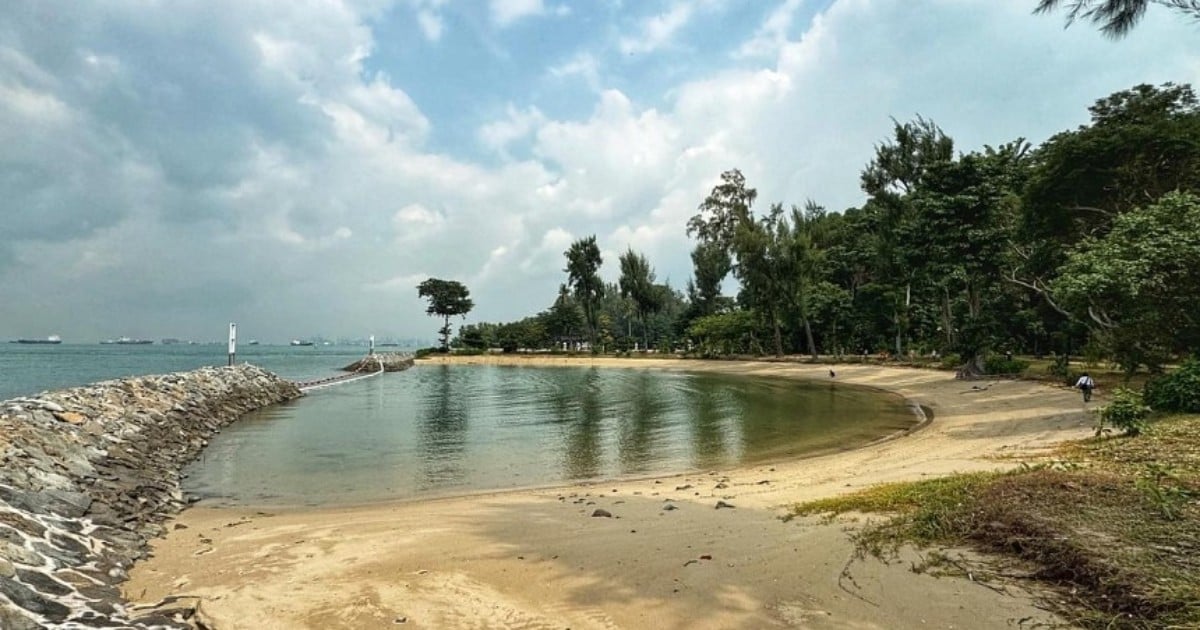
[(6, 568), (722, 504), (599, 512), (42, 583), (13, 618), (26, 598)]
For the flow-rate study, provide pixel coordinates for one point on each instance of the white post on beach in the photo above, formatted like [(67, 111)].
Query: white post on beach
[(372, 339), (232, 341)]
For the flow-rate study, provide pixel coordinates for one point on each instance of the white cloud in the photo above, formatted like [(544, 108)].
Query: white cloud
[(658, 30), (507, 12), (517, 124), (431, 24), (773, 33), (583, 65)]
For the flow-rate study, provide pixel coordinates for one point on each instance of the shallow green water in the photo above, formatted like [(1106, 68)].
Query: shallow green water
[(451, 429)]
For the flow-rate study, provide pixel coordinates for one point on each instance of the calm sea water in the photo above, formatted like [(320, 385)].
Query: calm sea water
[(29, 369), (438, 429)]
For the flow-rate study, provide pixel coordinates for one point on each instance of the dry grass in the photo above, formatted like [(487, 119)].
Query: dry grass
[(1114, 527)]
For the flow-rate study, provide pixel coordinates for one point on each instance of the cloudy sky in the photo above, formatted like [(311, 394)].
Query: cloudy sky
[(298, 166)]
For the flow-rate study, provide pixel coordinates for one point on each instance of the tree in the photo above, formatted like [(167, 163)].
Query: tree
[(725, 209), (898, 170), (563, 320), (637, 284), (583, 267), (1115, 17), (1139, 283), (1141, 144), (762, 268), (446, 299), (710, 264)]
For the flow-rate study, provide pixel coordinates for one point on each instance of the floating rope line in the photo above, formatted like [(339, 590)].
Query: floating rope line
[(308, 386)]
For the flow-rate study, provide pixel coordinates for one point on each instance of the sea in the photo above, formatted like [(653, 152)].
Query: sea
[(26, 369)]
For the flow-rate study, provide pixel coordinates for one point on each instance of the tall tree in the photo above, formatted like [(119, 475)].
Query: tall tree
[(898, 170), (1115, 17), (447, 298), (563, 320), (725, 209), (583, 274), (762, 268), (710, 265), (637, 284)]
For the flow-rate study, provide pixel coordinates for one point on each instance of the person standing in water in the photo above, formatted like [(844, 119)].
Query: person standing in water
[(1086, 384)]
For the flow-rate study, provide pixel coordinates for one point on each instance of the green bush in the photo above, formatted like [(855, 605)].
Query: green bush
[(951, 361), (997, 364), (1127, 412), (1177, 391), (424, 352)]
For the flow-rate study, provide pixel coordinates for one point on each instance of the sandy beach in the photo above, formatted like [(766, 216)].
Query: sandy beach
[(667, 557)]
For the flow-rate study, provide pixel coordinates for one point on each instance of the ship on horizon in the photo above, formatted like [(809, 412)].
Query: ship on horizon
[(52, 339), (127, 341), (297, 342)]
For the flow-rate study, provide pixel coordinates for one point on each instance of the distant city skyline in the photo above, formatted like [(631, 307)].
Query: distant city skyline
[(299, 168)]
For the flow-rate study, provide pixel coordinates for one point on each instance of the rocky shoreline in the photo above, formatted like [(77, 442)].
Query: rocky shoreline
[(87, 476), (390, 361)]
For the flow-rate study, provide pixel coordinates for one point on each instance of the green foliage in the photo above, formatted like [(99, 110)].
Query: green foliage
[(1163, 489), (1115, 17), (421, 353), (997, 364), (1139, 282), (446, 299), (724, 333), (1176, 391), (1125, 411), (951, 361), (583, 267)]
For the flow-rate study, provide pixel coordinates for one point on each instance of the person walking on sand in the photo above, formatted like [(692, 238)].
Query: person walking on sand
[(1086, 384)]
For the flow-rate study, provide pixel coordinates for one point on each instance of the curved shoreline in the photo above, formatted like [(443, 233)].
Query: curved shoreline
[(922, 416), (538, 557)]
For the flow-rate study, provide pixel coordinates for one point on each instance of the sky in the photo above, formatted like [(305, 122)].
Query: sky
[(299, 166)]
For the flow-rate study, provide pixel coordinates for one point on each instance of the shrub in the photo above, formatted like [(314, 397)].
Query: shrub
[(1000, 365), (1127, 412), (951, 361), (424, 352), (1177, 391)]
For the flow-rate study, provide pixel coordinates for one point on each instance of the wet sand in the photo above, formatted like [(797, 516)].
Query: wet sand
[(667, 557)]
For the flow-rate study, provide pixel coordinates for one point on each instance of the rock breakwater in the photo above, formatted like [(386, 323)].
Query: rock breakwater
[(88, 474), (391, 361)]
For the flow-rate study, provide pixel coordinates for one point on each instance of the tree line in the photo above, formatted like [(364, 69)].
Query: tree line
[(1088, 243)]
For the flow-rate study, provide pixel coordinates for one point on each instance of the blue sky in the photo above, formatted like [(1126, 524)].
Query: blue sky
[(298, 167)]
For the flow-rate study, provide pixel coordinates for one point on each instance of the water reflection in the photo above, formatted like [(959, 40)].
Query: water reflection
[(442, 426), (709, 405), (585, 422)]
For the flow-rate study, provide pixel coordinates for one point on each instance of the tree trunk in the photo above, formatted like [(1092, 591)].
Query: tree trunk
[(778, 337), (812, 347)]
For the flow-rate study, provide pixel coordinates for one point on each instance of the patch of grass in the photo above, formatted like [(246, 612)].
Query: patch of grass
[(1116, 529)]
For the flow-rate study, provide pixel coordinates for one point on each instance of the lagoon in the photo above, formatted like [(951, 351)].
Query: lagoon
[(456, 429)]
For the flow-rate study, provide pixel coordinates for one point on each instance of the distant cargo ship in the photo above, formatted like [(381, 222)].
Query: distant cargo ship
[(170, 341), (297, 342), (52, 339), (127, 341)]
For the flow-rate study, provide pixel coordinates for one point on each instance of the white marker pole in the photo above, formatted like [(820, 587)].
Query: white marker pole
[(232, 341), (372, 338)]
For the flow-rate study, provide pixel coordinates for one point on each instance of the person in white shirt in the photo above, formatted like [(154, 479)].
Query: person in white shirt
[(1086, 384)]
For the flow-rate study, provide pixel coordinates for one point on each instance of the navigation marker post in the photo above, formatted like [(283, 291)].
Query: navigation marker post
[(232, 341), (372, 351)]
